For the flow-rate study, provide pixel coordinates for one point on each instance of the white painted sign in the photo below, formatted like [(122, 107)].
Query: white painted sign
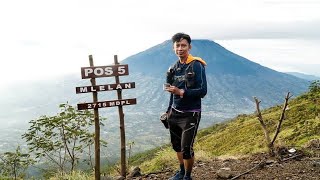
[(106, 87), (104, 104), (104, 71)]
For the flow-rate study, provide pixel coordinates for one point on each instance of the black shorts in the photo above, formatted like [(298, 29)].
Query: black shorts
[(183, 130)]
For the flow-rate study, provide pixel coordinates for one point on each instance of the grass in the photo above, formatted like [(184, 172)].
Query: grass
[(240, 136), (75, 175), (243, 135)]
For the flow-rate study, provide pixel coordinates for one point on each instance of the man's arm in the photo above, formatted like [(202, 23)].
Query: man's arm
[(200, 88)]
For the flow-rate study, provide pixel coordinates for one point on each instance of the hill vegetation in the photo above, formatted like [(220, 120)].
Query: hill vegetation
[(240, 136)]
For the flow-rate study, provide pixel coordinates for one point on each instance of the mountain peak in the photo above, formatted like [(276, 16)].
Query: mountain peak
[(158, 58)]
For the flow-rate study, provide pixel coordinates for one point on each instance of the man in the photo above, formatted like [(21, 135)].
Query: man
[(188, 85)]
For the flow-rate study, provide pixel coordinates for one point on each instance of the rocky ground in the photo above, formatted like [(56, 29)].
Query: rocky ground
[(292, 166)]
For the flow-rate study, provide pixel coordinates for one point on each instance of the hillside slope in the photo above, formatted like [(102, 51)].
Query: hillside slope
[(243, 136)]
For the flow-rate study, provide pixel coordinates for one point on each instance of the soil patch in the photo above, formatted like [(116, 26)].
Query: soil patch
[(259, 166)]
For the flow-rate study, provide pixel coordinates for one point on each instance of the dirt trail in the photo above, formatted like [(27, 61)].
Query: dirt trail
[(293, 167)]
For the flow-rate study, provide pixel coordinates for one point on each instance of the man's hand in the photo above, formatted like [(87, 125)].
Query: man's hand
[(175, 90), (164, 120)]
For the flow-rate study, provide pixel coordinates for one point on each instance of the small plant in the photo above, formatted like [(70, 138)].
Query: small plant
[(314, 87), (314, 96), (130, 146), (14, 164), (74, 175)]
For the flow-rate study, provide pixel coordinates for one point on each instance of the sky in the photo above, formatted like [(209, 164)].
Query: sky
[(41, 38)]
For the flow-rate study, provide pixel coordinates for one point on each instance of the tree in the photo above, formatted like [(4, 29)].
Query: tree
[(314, 95), (62, 139), (314, 87), (14, 164), (270, 142)]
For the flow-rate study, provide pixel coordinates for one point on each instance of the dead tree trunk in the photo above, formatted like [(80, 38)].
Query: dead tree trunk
[(282, 117), (269, 142)]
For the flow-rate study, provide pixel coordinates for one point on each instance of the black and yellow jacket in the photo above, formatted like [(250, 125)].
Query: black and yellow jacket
[(190, 77)]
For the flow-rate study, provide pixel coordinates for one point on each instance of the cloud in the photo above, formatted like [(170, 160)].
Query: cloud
[(61, 34), (273, 30)]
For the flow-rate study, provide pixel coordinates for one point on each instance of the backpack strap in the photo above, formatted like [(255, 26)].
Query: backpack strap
[(190, 67), (170, 73)]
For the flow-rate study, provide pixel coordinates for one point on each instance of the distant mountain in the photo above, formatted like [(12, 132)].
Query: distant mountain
[(232, 82), (304, 76)]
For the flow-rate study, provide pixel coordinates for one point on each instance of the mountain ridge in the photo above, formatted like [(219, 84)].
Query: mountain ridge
[(224, 68), (210, 51), (304, 76)]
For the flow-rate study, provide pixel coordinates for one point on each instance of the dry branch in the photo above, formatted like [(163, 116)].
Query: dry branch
[(282, 117), (261, 164), (292, 157), (270, 143), (264, 127)]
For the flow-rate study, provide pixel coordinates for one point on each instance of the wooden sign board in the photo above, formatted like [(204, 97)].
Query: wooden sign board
[(106, 87), (104, 71), (104, 104)]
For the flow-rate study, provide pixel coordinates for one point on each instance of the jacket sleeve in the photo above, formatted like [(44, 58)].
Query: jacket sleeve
[(200, 88)]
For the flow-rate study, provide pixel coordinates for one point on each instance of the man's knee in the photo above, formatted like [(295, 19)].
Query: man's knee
[(187, 153)]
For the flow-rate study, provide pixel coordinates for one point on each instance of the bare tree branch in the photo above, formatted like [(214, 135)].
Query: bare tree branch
[(261, 164), (270, 143), (282, 117), (258, 114), (292, 157)]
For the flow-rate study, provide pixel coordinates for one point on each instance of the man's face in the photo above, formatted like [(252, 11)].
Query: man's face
[(182, 48)]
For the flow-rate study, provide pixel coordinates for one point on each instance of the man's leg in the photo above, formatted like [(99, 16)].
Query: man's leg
[(181, 163), (175, 134), (188, 135), (180, 157), (188, 164)]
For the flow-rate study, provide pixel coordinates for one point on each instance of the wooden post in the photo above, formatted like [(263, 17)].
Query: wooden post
[(106, 71), (97, 128), (122, 128)]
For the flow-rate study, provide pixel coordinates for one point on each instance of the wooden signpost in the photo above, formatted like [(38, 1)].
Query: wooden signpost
[(93, 72)]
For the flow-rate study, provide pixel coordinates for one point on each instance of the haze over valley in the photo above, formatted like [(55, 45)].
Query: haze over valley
[(232, 82)]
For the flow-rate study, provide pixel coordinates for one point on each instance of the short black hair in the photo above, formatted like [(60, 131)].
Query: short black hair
[(179, 36)]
